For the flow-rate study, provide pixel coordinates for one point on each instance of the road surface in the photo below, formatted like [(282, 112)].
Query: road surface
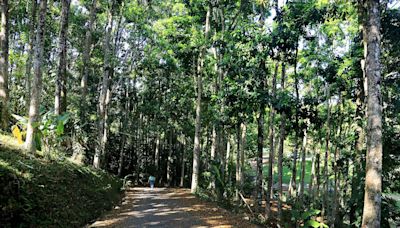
[(168, 207)]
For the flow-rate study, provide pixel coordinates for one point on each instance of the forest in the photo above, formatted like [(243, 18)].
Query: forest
[(285, 110)]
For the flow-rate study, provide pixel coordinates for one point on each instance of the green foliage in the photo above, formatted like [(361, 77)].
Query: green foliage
[(56, 193)]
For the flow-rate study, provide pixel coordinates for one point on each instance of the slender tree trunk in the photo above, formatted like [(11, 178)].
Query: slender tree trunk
[(281, 149), (260, 142), (292, 185), (213, 155), (28, 69), (238, 164), (86, 59), (318, 171), (183, 163), (169, 159), (60, 103), (335, 206), (37, 80), (228, 159), (271, 155), (196, 147), (327, 153), (157, 153), (373, 179), (125, 109), (303, 164), (100, 150), (242, 154), (313, 174), (4, 48)]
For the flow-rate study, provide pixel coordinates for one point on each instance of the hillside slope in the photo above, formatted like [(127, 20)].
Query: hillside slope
[(36, 192)]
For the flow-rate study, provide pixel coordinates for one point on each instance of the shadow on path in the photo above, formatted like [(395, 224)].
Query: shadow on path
[(162, 207)]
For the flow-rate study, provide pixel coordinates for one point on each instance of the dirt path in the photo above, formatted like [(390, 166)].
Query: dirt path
[(162, 207)]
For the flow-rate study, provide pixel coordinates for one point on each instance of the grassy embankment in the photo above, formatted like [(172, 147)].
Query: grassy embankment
[(40, 192)]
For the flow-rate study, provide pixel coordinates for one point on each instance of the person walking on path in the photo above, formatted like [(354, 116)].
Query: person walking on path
[(152, 180)]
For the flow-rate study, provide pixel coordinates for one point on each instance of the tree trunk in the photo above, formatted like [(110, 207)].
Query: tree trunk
[(157, 153), (196, 146), (60, 103), (4, 48), (125, 117), (271, 147), (28, 69), (169, 159), (292, 185), (335, 206), (37, 80), (313, 175), (100, 150), (86, 59), (213, 155), (280, 151), (327, 153), (242, 154), (303, 164), (183, 163), (373, 179), (238, 163), (260, 141), (318, 171)]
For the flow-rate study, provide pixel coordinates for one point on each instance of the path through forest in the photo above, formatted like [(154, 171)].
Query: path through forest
[(168, 207)]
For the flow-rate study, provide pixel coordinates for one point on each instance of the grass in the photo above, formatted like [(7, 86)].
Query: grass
[(287, 173), (38, 192)]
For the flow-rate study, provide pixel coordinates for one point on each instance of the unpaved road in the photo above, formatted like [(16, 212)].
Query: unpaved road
[(168, 207)]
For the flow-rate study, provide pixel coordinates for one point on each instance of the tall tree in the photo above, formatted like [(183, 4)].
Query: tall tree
[(36, 90), (105, 90), (373, 179), (199, 86), (60, 103), (86, 59), (4, 48), (28, 69)]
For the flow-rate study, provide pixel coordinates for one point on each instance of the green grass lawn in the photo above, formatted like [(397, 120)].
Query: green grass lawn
[(287, 173), (38, 192)]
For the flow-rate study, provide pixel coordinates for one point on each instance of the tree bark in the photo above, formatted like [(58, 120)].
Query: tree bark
[(373, 179), (238, 163), (4, 49), (280, 150), (271, 155), (104, 93), (28, 69), (292, 185), (183, 163), (303, 164), (327, 153), (196, 147), (126, 108), (86, 59), (169, 159), (213, 155), (60, 103), (37, 80)]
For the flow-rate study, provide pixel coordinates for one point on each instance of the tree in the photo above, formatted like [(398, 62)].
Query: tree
[(373, 179), (60, 103), (36, 90), (4, 48), (199, 87), (105, 90)]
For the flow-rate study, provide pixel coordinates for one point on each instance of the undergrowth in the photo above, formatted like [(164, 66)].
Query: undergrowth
[(42, 192)]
